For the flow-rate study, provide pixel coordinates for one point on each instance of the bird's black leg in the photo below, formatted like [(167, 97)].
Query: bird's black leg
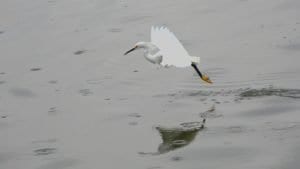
[(197, 70)]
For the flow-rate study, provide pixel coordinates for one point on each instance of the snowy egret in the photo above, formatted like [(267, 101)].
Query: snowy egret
[(166, 50)]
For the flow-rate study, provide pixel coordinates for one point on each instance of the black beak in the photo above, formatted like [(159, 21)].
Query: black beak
[(130, 51)]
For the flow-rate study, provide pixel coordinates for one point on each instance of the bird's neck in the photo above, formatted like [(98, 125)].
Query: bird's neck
[(150, 48), (145, 45)]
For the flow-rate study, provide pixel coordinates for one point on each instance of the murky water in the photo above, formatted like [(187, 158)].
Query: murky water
[(70, 99)]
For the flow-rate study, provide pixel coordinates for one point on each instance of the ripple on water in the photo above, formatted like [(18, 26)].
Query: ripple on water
[(35, 69), (85, 92), (52, 81), (44, 151), (229, 95), (79, 52), (176, 158), (210, 113), (52, 111), (291, 93), (114, 30), (136, 115), (283, 126)]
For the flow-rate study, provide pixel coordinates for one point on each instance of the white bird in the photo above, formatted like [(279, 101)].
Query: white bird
[(166, 50)]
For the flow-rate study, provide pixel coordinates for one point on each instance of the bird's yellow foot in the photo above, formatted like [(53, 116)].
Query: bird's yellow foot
[(206, 79)]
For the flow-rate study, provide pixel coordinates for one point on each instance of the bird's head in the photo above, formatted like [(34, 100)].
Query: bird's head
[(206, 79), (138, 45)]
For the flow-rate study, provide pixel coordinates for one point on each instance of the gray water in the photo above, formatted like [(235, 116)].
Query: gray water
[(70, 99)]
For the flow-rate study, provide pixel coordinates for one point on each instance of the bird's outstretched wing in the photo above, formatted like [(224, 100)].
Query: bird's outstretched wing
[(172, 50)]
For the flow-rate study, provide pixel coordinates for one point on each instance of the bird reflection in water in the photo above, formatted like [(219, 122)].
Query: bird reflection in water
[(177, 137)]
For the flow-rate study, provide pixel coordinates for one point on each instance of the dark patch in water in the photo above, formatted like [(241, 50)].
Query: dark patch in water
[(2, 73), (133, 123), (35, 69), (21, 92), (52, 81), (3, 116), (1, 32), (85, 92), (52, 111), (200, 93), (136, 115), (2, 82), (115, 30), (79, 52), (176, 158), (44, 151), (291, 93)]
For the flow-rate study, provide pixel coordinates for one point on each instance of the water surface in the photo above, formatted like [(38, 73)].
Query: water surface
[(70, 99)]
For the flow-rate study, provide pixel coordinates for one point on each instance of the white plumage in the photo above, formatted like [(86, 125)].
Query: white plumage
[(173, 53), (165, 49)]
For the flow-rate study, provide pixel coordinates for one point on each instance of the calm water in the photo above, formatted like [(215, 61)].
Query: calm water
[(70, 99)]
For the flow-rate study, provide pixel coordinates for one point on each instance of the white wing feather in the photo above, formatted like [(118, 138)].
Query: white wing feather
[(172, 50)]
